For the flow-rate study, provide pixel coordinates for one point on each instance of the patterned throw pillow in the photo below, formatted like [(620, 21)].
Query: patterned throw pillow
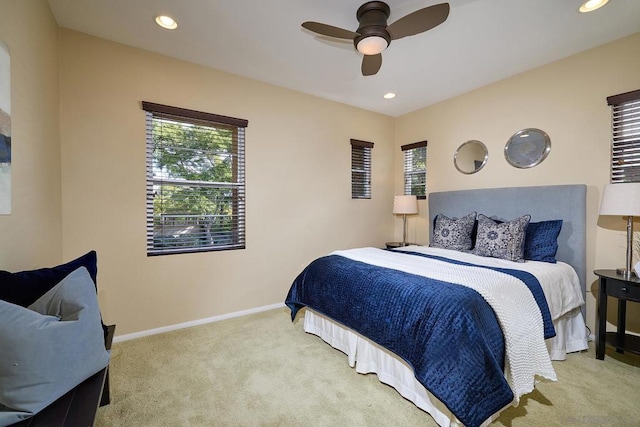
[(501, 240), (453, 233)]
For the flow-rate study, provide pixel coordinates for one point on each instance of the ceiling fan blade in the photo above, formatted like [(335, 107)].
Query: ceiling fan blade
[(329, 30), (371, 64), (419, 21)]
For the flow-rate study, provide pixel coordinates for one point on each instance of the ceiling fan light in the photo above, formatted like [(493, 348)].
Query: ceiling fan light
[(372, 45)]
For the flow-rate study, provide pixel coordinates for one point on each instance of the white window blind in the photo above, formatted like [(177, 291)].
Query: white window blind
[(415, 169), (361, 169), (195, 181), (625, 127)]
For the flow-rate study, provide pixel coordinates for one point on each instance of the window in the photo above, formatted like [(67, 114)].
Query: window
[(195, 181), (361, 169), (625, 126), (415, 169)]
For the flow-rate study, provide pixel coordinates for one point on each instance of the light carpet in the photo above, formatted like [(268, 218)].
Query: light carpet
[(264, 370)]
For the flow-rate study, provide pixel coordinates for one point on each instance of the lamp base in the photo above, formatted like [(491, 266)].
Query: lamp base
[(626, 274)]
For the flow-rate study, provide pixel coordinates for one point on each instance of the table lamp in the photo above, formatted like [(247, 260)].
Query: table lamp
[(405, 205), (623, 199)]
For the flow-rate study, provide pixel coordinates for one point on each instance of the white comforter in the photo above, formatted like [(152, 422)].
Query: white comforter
[(511, 300)]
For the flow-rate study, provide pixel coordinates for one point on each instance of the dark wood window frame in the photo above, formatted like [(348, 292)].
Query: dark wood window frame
[(193, 227), (625, 138), (413, 174), (361, 169)]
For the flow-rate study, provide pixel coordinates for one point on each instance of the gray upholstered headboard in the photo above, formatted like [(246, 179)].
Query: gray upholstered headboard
[(566, 202)]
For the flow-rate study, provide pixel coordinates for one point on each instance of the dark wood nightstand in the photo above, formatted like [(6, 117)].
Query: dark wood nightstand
[(393, 245), (614, 285)]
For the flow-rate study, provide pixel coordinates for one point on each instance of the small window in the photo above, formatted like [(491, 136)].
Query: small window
[(195, 181), (415, 169), (361, 169), (625, 140)]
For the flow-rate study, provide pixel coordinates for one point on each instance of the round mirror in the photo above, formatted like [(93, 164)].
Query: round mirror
[(527, 148), (470, 157)]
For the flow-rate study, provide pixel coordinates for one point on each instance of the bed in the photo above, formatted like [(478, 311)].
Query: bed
[(462, 334)]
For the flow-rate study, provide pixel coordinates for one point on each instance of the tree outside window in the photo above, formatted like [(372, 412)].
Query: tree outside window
[(415, 169), (195, 182)]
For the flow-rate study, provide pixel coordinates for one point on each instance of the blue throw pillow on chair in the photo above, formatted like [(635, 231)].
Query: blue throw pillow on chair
[(49, 347), (24, 287)]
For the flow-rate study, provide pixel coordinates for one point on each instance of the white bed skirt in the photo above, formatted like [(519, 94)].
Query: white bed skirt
[(571, 336)]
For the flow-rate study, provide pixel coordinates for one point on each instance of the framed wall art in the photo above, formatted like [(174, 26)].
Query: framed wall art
[(5, 130)]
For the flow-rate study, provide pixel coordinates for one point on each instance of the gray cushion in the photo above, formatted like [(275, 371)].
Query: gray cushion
[(49, 347), (501, 240), (453, 233)]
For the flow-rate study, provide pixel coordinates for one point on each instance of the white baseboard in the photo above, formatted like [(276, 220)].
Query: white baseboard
[(120, 338)]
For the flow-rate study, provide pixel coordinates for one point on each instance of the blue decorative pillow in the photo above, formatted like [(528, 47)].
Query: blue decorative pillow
[(501, 240), (24, 287), (453, 233), (541, 240), (49, 347)]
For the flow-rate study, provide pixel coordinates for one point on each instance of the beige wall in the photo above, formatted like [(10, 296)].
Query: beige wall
[(567, 100), (88, 191), (298, 183), (32, 233)]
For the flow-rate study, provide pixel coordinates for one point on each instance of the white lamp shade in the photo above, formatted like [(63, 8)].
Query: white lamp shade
[(621, 199), (407, 205)]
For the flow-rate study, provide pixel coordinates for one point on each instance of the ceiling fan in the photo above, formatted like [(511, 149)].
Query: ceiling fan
[(374, 35)]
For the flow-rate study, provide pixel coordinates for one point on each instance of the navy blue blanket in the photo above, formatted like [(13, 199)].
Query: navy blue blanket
[(446, 332)]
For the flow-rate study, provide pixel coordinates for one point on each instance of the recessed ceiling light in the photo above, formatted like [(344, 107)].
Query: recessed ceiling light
[(166, 22), (389, 95), (592, 5)]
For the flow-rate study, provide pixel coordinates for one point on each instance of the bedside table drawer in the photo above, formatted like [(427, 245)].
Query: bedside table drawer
[(613, 284), (623, 290)]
